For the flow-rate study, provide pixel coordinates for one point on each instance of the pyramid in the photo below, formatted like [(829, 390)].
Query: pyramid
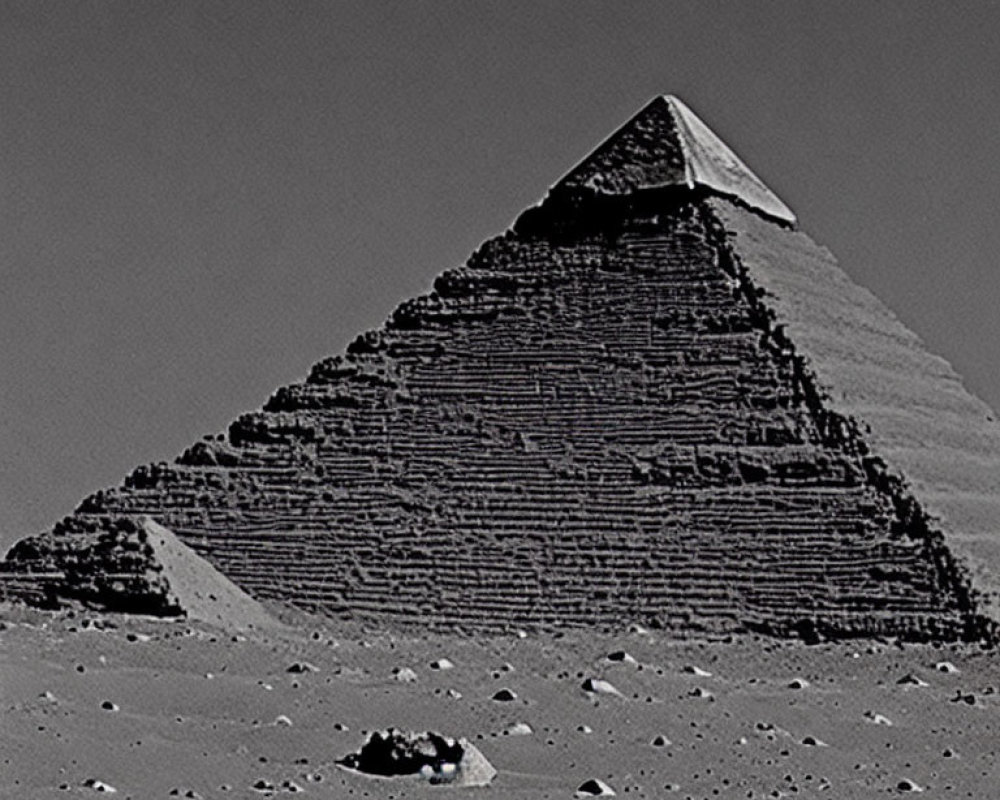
[(652, 399), (136, 566)]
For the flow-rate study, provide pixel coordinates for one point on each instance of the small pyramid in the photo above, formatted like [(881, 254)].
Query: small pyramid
[(666, 145), (136, 565), (652, 401)]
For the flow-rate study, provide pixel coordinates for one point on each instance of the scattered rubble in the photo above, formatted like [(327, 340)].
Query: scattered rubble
[(594, 788), (600, 686), (98, 786), (621, 657), (404, 675), (519, 729)]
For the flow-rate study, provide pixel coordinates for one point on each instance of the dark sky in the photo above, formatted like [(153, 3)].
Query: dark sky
[(200, 199)]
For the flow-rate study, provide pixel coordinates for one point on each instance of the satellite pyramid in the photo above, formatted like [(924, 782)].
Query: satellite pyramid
[(134, 565), (651, 400)]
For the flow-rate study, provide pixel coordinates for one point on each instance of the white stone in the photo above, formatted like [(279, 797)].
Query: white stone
[(600, 686)]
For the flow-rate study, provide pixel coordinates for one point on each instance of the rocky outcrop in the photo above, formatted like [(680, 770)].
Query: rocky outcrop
[(601, 417)]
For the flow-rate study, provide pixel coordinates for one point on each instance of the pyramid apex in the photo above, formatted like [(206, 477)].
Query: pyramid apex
[(667, 144)]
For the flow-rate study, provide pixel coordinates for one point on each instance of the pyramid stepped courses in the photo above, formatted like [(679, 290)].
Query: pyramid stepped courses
[(914, 413), (573, 428), (132, 565)]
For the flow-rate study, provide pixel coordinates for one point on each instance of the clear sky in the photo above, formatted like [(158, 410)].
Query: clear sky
[(200, 199)]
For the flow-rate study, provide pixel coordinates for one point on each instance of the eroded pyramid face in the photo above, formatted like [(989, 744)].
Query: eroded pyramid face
[(652, 400)]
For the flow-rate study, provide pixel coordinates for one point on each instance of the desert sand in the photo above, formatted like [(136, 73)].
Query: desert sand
[(154, 708)]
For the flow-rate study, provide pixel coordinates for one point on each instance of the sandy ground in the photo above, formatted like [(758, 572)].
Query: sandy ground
[(174, 709)]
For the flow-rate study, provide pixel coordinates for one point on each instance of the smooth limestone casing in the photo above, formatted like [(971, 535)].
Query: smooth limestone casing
[(667, 145)]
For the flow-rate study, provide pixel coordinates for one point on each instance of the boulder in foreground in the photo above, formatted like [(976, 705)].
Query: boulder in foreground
[(439, 759)]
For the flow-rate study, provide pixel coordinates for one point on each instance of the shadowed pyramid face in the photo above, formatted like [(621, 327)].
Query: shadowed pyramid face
[(627, 409)]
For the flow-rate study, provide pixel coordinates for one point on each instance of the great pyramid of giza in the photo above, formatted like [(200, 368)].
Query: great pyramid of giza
[(651, 400)]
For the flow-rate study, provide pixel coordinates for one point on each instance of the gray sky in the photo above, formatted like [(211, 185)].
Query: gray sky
[(200, 199)]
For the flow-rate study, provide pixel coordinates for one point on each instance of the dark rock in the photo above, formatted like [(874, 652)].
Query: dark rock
[(594, 788), (437, 758)]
